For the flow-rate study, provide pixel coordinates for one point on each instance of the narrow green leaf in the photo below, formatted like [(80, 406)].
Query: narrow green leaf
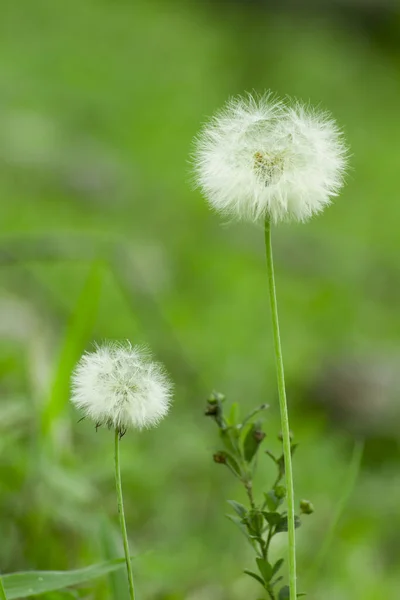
[(343, 495), (232, 463), (112, 546), (32, 583), (78, 332), (238, 508), (254, 412), (265, 569), (252, 441), (2, 592), (228, 439), (233, 417), (277, 566), (255, 576), (242, 527), (272, 518)]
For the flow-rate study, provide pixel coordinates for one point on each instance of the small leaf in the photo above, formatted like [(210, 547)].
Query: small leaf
[(231, 461), (233, 418), (238, 508), (226, 437), (32, 583), (284, 593), (2, 592), (265, 569), (238, 522), (283, 524), (272, 500), (277, 566), (255, 576), (252, 441), (273, 518)]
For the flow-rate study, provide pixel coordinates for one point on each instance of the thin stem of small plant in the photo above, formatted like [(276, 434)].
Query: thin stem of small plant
[(122, 515), (284, 413)]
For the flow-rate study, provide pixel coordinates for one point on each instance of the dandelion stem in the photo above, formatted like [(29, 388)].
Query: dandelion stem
[(122, 515), (284, 413)]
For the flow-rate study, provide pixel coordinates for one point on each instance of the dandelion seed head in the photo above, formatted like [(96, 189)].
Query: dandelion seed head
[(261, 157), (119, 385)]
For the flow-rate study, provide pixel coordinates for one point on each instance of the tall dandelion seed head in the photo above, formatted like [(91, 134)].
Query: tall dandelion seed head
[(263, 158), (119, 385)]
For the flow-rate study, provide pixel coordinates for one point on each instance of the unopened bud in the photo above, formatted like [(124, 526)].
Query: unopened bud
[(280, 491), (306, 507), (220, 458), (212, 410), (258, 435)]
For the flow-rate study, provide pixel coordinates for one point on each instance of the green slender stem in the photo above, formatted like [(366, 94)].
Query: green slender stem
[(284, 413), (2, 590), (122, 516)]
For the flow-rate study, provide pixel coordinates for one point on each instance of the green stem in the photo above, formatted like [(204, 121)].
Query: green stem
[(2, 591), (122, 515), (284, 413)]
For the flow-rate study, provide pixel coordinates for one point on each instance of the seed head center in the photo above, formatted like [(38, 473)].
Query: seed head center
[(269, 167)]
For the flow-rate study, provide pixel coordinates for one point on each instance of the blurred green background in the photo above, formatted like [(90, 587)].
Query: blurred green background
[(102, 236)]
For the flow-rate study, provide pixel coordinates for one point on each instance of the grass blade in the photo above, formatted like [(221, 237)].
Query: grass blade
[(348, 487), (32, 583), (2, 592)]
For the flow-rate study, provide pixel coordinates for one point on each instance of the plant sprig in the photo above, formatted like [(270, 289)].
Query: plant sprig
[(261, 521)]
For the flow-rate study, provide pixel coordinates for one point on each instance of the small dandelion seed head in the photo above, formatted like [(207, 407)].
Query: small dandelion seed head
[(120, 386), (260, 157)]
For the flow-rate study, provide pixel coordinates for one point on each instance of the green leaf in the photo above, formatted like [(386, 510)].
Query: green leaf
[(233, 417), (32, 583), (252, 441), (2, 592), (255, 576), (283, 524), (112, 546), (284, 593), (272, 518), (238, 522), (238, 508), (272, 500), (79, 330), (228, 439), (265, 569), (277, 566), (231, 461)]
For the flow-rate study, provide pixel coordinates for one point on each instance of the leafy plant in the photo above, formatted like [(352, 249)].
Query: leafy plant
[(262, 520)]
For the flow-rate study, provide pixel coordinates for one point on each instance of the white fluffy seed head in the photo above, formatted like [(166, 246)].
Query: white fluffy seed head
[(119, 385), (263, 158)]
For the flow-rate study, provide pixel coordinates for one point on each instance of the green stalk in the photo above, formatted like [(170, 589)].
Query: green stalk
[(122, 515), (284, 413), (2, 591)]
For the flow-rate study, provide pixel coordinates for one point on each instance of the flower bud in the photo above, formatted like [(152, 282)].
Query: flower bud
[(280, 491), (306, 507), (220, 458)]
